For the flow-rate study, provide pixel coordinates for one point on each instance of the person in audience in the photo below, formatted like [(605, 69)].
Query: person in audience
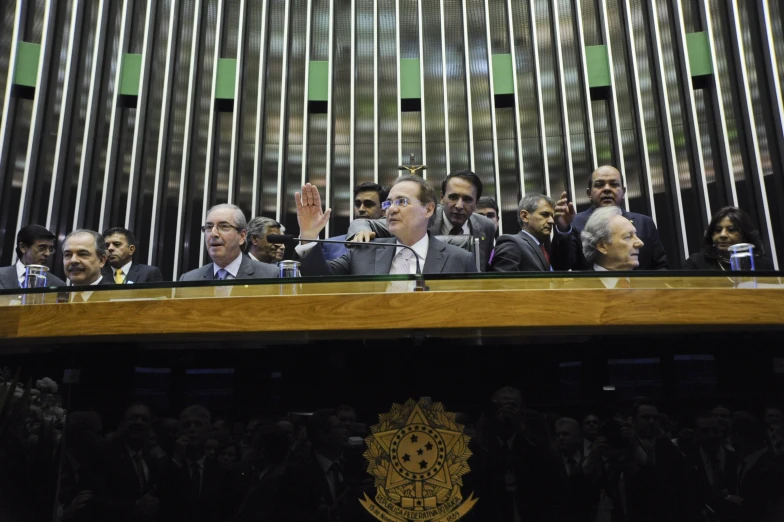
[(590, 431), (316, 489), (258, 246), (605, 188), (578, 494), (715, 468), (724, 417), (610, 241), (774, 422), (410, 204), (130, 472), (193, 488), (487, 207), (455, 215), (84, 255), (80, 477), (267, 467), (120, 247), (368, 197), (34, 246), (225, 232), (530, 250), (729, 226)]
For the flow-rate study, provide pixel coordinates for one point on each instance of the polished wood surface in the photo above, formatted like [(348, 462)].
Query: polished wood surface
[(367, 308)]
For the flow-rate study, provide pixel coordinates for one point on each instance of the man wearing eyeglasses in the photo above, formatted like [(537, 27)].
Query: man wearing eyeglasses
[(455, 215), (34, 246), (409, 206), (225, 233)]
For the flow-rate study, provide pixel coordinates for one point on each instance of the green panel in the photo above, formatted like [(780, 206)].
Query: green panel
[(131, 74), (699, 54), (318, 81), (598, 66), (503, 83), (27, 57), (410, 88), (226, 81)]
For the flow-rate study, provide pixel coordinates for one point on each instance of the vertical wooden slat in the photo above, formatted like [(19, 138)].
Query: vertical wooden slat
[(518, 140), (282, 121), (422, 85), (493, 129), (448, 161), (469, 103), (539, 102), (305, 111), (330, 123), (260, 94), (237, 114), (564, 100), (590, 131)]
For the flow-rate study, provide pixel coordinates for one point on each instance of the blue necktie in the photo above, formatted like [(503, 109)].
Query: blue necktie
[(222, 274)]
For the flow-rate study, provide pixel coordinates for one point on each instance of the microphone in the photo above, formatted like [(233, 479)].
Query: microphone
[(288, 240)]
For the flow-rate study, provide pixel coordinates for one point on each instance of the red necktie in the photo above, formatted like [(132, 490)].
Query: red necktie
[(546, 255)]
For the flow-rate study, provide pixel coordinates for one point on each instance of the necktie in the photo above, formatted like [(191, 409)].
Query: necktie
[(335, 472), (401, 264), (222, 274), (195, 481), (546, 254), (456, 231), (140, 477), (572, 466), (118, 277)]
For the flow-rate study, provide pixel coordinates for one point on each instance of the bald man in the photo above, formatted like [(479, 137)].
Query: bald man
[(605, 188)]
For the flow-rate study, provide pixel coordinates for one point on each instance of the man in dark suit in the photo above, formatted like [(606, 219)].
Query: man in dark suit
[(368, 197), (410, 204), (455, 215), (605, 188), (34, 246), (225, 233), (120, 247), (193, 487), (528, 250), (129, 471), (316, 489)]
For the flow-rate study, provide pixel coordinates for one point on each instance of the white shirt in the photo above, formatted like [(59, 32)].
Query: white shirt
[(326, 465), (20, 272), (232, 268), (420, 247), (608, 282), (447, 226)]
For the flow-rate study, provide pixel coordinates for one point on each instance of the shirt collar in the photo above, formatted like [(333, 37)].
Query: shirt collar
[(420, 247), (446, 226), (531, 236), (233, 268), (598, 268), (125, 269), (323, 461), (199, 462), (20, 269)]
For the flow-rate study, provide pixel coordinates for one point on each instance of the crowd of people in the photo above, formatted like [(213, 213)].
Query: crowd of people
[(614, 464), (453, 233)]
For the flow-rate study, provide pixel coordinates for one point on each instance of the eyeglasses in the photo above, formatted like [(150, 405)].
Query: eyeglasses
[(49, 249), (398, 202), (222, 227)]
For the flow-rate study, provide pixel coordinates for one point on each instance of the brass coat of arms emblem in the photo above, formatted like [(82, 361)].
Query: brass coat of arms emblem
[(417, 455)]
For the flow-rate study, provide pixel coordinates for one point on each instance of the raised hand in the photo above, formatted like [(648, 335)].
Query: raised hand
[(310, 216), (564, 212)]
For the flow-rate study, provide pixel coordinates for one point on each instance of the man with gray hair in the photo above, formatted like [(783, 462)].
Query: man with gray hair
[(530, 249), (225, 234), (84, 255), (610, 241), (258, 246)]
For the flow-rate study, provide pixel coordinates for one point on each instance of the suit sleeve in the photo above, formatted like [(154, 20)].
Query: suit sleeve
[(562, 250), (379, 226), (659, 255), (314, 264), (690, 264), (507, 255), (155, 275)]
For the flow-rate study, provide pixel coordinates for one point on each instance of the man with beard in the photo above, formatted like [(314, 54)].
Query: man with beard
[(193, 487), (34, 246)]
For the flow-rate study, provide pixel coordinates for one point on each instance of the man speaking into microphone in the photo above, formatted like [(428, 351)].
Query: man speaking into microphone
[(408, 207)]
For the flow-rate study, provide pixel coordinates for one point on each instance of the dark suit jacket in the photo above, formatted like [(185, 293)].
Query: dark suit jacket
[(137, 274), (520, 253), (704, 492), (334, 251), (652, 254), (259, 502), (250, 268), (9, 281), (441, 259), (120, 489), (761, 487), (478, 225), (173, 492), (703, 261)]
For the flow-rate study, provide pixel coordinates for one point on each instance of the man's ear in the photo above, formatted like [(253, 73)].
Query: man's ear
[(588, 192), (431, 209), (602, 247), (22, 247), (131, 249), (524, 216), (103, 259)]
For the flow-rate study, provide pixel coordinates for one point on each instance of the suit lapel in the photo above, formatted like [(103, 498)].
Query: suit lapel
[(132, 274), (246, 268), (383, 259), (436, 257), (536, 248), (209, 270), (9, 277), (436, 221)]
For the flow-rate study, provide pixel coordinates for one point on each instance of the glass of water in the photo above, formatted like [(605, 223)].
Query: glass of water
[(742, 256), (288, 268)]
